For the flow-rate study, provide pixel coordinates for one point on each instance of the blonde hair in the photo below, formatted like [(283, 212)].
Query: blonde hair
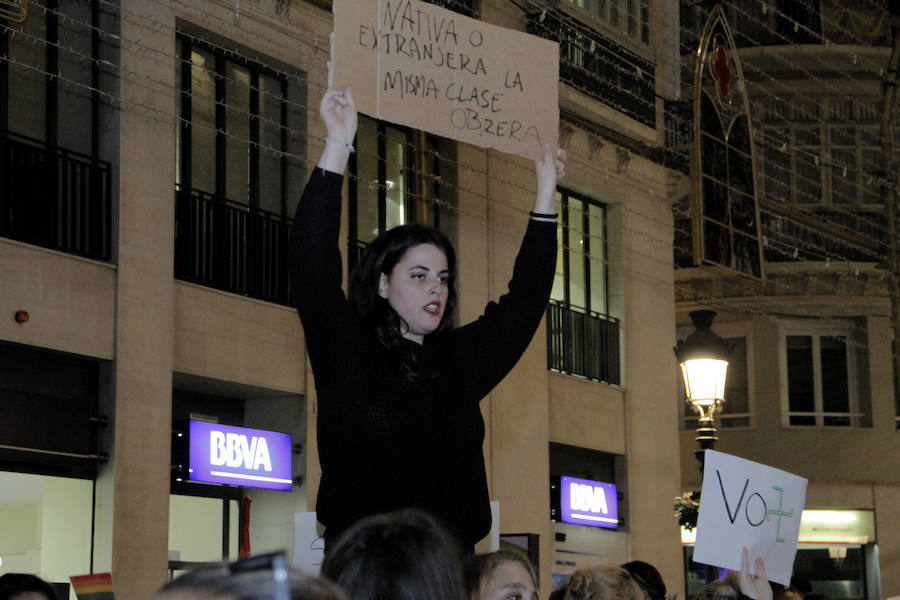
[(601, 583), (480, 567)]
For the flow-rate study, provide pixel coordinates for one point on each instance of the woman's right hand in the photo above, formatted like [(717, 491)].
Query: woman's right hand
[(755, 585), (339, 114)]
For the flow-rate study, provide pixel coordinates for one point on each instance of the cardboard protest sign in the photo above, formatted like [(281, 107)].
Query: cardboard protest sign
[(420, 65), (743, 503)]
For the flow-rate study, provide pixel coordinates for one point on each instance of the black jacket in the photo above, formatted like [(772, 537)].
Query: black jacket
[(385, 444)]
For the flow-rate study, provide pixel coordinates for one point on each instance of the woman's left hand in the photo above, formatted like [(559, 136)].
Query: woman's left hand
[(550, 168)]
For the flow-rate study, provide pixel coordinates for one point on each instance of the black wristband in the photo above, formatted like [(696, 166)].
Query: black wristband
[(538, 215)]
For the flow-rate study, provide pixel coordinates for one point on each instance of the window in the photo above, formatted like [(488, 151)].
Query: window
[(55, 187), (394, 180), (241, 148), (737, 409), (582, 339), (628, 17), (819, 386), (814, 166), (598, 65)]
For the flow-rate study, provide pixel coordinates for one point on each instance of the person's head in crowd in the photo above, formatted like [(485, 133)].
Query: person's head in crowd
[(221, 582), (648, 578), (558, 594), (501, 575), (726, 588), (603, 583), (404, 555), (802, 585), (781, 592), (23, 586)]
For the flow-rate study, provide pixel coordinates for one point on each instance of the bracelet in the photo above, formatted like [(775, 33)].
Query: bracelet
[(538, 215), (342, 143)]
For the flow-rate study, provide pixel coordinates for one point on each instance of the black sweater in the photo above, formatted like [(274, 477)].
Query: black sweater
[(384, 444)]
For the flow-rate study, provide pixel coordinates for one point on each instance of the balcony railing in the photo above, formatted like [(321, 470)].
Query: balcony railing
[(54, 197), (599, 67), (585, 344), (224, 245)]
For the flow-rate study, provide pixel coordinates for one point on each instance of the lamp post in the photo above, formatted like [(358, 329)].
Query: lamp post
[(703, 357)]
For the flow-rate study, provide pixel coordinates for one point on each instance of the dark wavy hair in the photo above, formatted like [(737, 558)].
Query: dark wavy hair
[(403, 555), (382, 256), (14, 584)]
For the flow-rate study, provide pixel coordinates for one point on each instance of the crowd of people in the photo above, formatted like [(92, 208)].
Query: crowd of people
[(409, 555)]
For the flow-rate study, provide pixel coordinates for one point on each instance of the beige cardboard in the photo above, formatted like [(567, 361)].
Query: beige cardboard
[(427, 67)]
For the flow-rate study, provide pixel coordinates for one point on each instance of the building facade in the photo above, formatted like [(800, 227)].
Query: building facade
[(153, 154), (810, 387)]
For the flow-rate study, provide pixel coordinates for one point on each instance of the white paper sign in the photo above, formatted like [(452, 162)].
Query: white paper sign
[(743, 503), (309, 546)]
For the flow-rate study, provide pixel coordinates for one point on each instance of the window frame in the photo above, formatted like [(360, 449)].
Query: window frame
[(561, 198), (413, 155), (186, 41), (687, 417), (817, 331), (603, 24)]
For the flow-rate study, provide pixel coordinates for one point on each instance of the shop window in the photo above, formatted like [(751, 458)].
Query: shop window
[(207, 520), (821, 386), (240, 168), (582, 339), (394, 180), (46, 526), (737, 410), (577, 536)]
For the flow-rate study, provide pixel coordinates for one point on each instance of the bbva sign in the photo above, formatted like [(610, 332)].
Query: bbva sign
[(239, 456)]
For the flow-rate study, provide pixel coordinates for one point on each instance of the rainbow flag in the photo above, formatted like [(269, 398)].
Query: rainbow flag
[(97, 586)]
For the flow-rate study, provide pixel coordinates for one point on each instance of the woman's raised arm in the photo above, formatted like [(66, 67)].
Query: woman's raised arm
[(338, 112)]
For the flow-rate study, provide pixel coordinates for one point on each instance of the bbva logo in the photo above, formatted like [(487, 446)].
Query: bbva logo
[(235, 450), (587, 498)]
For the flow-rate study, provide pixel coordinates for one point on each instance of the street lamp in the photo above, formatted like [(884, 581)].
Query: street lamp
[(703, 357)]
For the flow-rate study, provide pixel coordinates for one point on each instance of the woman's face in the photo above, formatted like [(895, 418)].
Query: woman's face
[(417, 290), (509, 581)]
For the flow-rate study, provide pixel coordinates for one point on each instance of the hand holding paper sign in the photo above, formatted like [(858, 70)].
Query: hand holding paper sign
[(754, 585), (746, 504), (338, 112), (549, 168)]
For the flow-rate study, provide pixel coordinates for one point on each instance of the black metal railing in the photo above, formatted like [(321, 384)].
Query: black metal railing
[(599, 67), (54, 197), (585, 344), (224, 245)]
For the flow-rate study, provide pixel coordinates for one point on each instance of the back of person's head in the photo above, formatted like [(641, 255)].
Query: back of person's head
[(602, 583), (404, 555), (23, 586), (558, 594), (648, 577), (486, 577), (726, 588), (380, 257), (219, 582)]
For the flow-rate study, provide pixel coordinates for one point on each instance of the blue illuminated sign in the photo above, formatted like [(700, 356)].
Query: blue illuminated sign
[(239, 456), (587, 502)]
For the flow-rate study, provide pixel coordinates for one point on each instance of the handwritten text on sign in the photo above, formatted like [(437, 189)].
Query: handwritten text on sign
[(744, 503), (433, 69)]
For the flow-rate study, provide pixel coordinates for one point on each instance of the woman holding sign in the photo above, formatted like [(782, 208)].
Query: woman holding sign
[(398, 420)]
